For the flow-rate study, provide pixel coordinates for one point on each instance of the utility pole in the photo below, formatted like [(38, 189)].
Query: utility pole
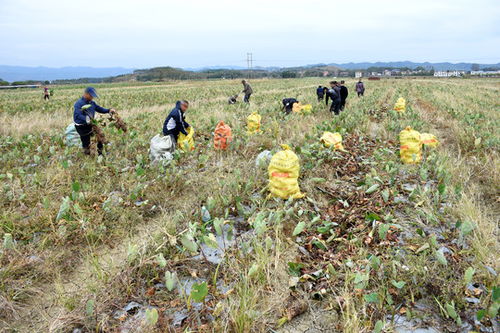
[(249, 64)]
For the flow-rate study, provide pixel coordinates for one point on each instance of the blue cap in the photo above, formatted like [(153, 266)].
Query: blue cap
[(91, 91)]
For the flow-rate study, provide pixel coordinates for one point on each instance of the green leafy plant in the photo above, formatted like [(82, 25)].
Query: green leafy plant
[(199, 291), (170, 280), (152, 316), (8, 242), (160, 259), (299, 228), (469, 273), (189, 243), (450, 310), (371, 298)]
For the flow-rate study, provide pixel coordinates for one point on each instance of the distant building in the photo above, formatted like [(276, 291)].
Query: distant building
[(485, 73), (395, 72), (358, 75), (449, 73), (325, 73), (387, 72)]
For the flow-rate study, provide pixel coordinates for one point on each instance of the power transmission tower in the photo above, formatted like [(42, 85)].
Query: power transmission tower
[(249, 64)]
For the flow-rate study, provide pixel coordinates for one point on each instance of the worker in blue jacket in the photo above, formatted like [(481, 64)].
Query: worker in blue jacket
[(320, 91), (83, 113), (175, 122)]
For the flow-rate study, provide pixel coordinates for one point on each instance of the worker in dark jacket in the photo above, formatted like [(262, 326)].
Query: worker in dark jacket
[(334, 94), (320, 91), (288, 104), (247, 90), (360, 88), (83, 113), (344, 92), (175, 122)]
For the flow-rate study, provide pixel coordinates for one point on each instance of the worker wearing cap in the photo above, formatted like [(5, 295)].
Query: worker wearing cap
[(247, 90), (84, 112)]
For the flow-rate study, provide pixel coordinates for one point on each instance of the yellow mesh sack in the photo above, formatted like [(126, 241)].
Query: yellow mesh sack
[(410, 149), (329, 139), (429, 140), (253, 123), (283, 173), (302, 108), (400, 105), (306, 109), (186, 142)]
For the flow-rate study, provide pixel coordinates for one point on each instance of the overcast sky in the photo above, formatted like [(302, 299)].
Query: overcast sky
[(187, 33)]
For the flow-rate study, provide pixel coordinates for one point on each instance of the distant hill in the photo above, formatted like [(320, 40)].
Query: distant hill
[(440, 66), (22, 73)]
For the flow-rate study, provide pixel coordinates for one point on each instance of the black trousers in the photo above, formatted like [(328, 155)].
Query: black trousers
[(335, 107), (246, 99), (320, 98), (342, 104), (85, 132), (46, 97), (360, 93)]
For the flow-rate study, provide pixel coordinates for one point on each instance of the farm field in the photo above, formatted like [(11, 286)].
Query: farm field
[(375, 245)]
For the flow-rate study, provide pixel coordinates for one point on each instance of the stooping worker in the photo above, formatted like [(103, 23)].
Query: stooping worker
[(84, 112), (334, 94), (288, 104), (320, 91), (344, 92), (232, 99), (175, 122), (360, 88), (247, 90)]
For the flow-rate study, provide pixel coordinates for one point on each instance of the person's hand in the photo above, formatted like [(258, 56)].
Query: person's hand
[(112, 111)]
